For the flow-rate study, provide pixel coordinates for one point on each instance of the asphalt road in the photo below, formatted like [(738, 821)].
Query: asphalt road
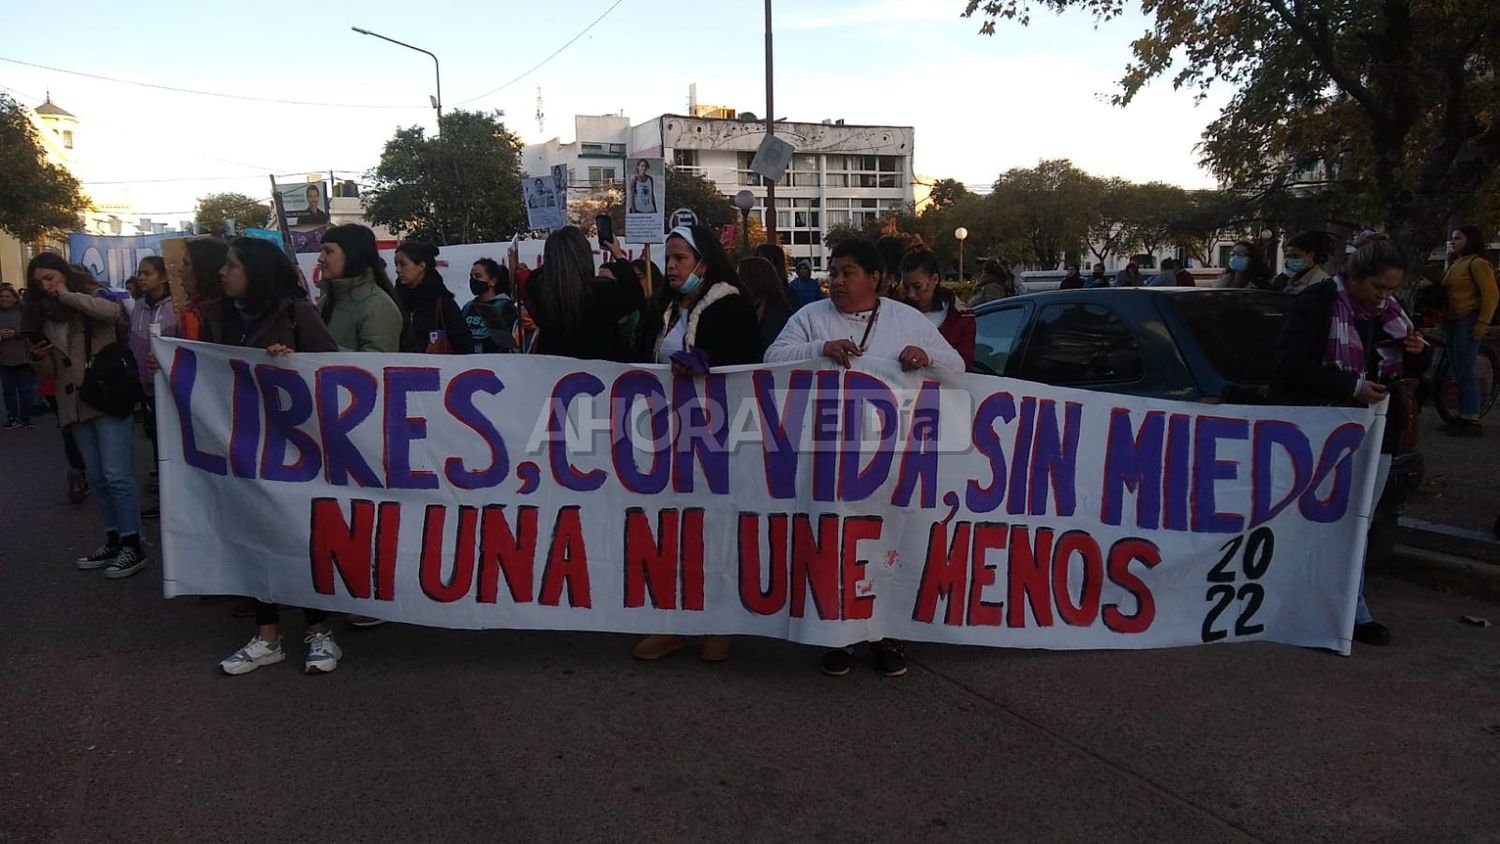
[(115, 725)]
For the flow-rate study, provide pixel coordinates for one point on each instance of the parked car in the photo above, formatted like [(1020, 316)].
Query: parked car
[(1185, 344)]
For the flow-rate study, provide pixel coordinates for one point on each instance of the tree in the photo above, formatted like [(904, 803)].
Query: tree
[(216, 209), (1155, 210), (38, 197), (463, 186), (1057, 205), (701, 196), (1395, 99), (1110, 232), (946, 192)]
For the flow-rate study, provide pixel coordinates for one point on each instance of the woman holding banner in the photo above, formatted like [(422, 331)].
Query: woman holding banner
[(577, 311), (699, 319), (358, 302), (491, 314), (266, 308), (856, 321), (1346, 341), (434, 324)]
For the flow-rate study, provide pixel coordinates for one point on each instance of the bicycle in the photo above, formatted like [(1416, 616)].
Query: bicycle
[(1438, 384)]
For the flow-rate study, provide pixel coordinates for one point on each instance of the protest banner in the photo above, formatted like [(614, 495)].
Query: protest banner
[(112, 258), (645, 201), (815, 505), (305, 204), (546, 200)]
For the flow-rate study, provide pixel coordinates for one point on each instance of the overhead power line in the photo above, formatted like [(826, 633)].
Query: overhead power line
[(554, 55), (220, 95)]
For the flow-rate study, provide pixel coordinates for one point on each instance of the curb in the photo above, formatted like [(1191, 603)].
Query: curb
[(1449, 540), (1444, 571)]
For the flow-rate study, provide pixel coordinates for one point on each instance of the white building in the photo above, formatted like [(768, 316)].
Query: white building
[(840, 174)]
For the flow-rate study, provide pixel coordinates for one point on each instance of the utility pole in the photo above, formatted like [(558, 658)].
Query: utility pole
[(770, 130)]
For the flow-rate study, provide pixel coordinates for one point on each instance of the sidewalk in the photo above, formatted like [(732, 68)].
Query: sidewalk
[(1462, 476)]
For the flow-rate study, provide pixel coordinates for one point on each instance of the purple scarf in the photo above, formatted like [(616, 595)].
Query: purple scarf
[(1346, 349)]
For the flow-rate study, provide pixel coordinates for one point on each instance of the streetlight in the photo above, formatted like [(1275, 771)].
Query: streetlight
[(437, 102), (744, 200), (961, 234)]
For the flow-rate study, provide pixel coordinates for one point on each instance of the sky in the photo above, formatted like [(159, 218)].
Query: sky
[(980, 105)]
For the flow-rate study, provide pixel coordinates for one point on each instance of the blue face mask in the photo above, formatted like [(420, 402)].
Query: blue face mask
[(1295, 265), (1239, 263), (691, 284)]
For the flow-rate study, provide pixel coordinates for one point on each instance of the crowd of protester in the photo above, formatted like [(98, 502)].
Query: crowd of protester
[(1346, 340)]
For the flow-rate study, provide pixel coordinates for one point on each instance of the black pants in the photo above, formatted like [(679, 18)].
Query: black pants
[(269, 614), (148, 421), (70, 446)]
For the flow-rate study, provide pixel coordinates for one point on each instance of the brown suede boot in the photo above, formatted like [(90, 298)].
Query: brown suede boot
[(656, 647), (714, 649)]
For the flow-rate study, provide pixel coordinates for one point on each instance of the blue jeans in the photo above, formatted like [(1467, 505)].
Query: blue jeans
[(18, 386), (1463, 351), (108, 447)]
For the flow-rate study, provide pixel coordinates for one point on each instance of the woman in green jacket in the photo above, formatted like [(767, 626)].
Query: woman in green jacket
[(359, 305)]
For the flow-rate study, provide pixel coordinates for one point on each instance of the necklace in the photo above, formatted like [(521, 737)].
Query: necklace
[(864, 340)]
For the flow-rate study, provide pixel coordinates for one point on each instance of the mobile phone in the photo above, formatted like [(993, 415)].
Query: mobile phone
[(606, 228)]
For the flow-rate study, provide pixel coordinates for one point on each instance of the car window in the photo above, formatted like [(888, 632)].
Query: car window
[(1238, 333), (1082, 343), (995, 338)]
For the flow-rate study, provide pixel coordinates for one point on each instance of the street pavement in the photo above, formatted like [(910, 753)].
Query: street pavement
[(115, 725), (1462, 476)]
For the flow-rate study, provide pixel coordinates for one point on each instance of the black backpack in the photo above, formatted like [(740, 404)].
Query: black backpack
[(111, 378)]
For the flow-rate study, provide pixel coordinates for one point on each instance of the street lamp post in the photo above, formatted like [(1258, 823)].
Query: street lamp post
[(961, 234), (744, 200), (437, 102)]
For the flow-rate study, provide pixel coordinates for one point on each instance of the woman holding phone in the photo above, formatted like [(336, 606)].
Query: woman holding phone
[(78, 320), (1345, 341)]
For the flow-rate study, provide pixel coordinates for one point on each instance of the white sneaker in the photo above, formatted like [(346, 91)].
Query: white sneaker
[(253, 655), (323, 654)]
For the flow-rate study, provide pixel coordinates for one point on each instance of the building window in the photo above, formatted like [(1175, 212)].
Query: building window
[(67, 139), (601, 177), (593, 147), (685, 158)]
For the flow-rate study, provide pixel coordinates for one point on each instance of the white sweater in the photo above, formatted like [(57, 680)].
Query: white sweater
[(898, 326)]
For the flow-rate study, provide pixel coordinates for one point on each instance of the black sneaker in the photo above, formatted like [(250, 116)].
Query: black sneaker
[(12, 424), (890, 657), (836, 662), (1372, 633), (99, 558), (128, 562)]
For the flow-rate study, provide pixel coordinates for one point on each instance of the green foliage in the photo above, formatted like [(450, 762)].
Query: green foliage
[(37, 197), (461, 187), (1054, 206), (216, 209), (701, 196), (1358, 109)]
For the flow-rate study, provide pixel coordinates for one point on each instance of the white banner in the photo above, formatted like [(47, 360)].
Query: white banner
[(815, 505)]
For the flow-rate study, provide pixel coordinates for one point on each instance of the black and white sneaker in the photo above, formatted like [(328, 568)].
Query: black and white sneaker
[(126, 563), (835, 663), (99, 558)]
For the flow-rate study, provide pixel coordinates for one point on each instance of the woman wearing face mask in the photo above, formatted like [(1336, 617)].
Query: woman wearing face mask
[(576, 311), (78, 320), (358, 302), (923, 290), (1471, 292), (266, 308), (1303, 258), (1345, 340), (491, 314), (1246, 269), (856, 321), (434, 324), (700, 319)]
